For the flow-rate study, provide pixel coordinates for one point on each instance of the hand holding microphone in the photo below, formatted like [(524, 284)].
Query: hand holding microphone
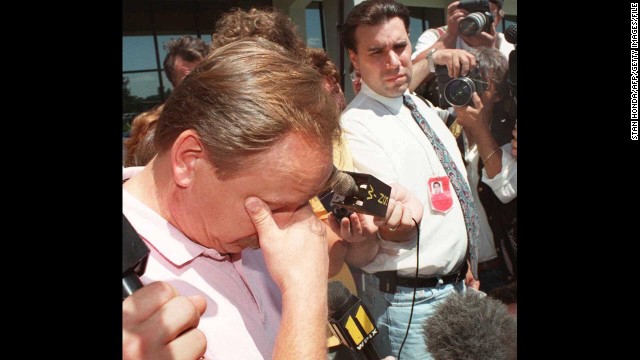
[(393, 210), (398, 224), (352, 201), (158, 323), (134, 258)]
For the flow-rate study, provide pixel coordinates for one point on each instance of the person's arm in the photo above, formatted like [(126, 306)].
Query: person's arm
[(500, 167), (337, 249), (420, 69), (476, 121), (430, 40), (297, 259), (505, 184), (361, 231), (158, 323)]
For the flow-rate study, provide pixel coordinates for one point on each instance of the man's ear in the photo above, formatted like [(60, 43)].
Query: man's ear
[(353, 57), (187, 149)]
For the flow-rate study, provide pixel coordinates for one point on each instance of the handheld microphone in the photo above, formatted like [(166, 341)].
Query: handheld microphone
[(344, 184), (361, 193), (350, 321), (134, 258), (511, 35)]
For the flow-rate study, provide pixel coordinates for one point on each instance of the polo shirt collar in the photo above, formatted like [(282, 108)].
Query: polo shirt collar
[(170, 242)]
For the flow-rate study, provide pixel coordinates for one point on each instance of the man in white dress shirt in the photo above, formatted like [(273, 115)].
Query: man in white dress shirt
[(386, 141)]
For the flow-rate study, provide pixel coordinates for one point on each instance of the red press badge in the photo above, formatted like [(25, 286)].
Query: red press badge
[(440, 193)]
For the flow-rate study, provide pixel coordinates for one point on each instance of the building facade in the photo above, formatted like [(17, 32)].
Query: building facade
[(148, 24)]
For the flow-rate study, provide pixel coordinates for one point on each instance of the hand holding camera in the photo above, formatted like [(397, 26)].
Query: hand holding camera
[(476, 118), (456, 62), (454, 16), (479, 19), (457, 77)]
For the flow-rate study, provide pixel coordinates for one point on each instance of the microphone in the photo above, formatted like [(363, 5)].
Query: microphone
[(344, 184), (453, 331), (511, 34), (350, 321), (512, 80), (134, 258), (361, 193)]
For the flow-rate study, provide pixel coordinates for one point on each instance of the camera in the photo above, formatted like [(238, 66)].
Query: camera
[(458, 92), (479, 19)]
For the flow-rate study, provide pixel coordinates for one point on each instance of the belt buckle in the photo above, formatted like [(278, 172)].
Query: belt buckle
[(387, 282)]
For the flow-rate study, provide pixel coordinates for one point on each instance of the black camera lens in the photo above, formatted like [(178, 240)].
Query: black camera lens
[(459, 92), (472, 24)]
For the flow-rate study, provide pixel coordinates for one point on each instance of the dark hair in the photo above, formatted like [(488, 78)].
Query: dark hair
[(492, 64), (371, 13), (188, 48), (508, 294), (219, 101), (498, 3), (471, 326)]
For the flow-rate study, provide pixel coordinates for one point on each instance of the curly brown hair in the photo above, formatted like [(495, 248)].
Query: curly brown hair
[(139, 147), (323, 64), (268, 23)]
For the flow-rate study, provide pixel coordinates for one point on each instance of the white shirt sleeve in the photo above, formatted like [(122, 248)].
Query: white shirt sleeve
[(425, 41), (368, 155), (505, 183)]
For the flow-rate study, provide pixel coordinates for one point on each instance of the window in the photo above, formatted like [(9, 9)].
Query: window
[(146, 26), (315, 28)]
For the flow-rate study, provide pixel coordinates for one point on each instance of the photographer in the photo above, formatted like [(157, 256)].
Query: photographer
[(449, 36), (491, 167)]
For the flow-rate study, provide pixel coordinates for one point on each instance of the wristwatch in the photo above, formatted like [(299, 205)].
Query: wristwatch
[(430, 62)]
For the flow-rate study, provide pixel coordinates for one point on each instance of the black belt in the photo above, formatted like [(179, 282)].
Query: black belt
[(390, 279)]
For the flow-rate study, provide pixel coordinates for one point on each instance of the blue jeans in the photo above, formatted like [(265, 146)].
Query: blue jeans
[(391, 314)]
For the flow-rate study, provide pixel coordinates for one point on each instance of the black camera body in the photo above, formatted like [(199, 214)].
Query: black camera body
[(479, 19), (459, 91)]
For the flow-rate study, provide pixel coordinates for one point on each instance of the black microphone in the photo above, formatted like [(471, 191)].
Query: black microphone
[(361, 193), (344, 184), (134, 258), (511, 34), (351, 322), (512, 80)]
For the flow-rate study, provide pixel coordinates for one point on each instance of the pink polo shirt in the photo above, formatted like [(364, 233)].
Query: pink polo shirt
[(243, 303)]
